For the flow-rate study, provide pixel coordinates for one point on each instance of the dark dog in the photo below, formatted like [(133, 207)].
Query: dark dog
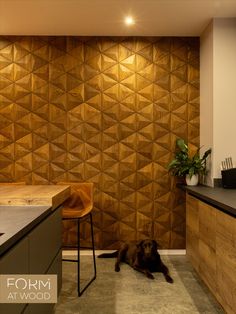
[(143, 257)]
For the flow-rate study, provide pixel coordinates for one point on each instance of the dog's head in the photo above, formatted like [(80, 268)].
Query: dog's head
[(148, 247)]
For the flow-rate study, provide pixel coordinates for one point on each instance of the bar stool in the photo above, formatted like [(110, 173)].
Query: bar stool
[(78, 207)]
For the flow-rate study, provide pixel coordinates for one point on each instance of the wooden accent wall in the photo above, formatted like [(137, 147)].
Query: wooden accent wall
[(211, 247), (105, 110)]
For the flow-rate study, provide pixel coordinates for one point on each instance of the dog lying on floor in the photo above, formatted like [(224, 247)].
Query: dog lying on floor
[(142, 257)]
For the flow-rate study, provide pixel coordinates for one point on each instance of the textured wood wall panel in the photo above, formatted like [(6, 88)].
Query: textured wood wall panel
[(105, 110)]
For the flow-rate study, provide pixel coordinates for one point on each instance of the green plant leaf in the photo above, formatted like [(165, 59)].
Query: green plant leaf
[(184, 164), (172, 163), (181, 144)]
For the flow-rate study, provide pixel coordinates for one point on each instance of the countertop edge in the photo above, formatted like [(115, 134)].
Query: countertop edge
[(58, 199), (230, 210)]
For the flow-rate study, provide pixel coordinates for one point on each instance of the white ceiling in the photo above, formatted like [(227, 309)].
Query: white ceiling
[(105, 17)]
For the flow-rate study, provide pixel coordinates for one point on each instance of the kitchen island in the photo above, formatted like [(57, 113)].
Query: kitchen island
[(30, 236), (211, 240), (18, 221)]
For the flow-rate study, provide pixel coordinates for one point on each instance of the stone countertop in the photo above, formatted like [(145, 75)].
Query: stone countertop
[(22, 207), (223, 199), (17, 221)]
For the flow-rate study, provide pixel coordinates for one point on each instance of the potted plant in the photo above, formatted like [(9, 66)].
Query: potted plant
[(184, 165)]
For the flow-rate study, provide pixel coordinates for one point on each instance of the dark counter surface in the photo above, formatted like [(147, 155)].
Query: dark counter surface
[(223, 199), (17, 221)]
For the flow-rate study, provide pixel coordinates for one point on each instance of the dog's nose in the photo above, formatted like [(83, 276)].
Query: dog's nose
[(148, 252)]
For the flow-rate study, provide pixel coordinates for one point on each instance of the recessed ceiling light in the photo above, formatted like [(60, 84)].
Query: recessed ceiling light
[(129, 20)]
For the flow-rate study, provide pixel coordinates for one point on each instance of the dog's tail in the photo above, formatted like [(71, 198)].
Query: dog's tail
[(108, 255)]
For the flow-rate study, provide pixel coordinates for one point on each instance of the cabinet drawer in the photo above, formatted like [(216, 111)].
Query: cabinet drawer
[(56, 268), (192, 241), (44, 243), (192, 201), (15, 261), (207, 265), (207, 224), (39, 308)]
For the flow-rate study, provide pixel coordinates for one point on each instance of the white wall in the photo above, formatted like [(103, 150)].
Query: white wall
[(206, 95), (218, 92), (224, 91)]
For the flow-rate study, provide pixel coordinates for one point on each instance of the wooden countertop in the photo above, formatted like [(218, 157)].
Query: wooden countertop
[(50, 195)]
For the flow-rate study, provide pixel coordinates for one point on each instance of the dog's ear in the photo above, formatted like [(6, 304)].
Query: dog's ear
[(155, 245), (140, 245)]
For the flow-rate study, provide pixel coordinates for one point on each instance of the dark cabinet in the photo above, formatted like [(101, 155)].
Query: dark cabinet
[(39, 252)]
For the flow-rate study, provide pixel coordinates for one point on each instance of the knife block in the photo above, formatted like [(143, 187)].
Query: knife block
[(229, 178)]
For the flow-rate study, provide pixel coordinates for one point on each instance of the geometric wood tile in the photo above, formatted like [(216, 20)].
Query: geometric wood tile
[(105, 110)]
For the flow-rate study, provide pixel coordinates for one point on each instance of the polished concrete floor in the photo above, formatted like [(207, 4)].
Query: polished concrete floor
[(130, 292)]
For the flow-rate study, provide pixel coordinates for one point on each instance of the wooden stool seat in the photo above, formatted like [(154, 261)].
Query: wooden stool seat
[(80, 203)]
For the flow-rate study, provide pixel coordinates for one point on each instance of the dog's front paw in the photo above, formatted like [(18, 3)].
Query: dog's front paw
[(150, 276), (117, 268), (169, 279)]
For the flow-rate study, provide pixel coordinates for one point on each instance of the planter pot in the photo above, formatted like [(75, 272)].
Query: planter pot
[(193, 181)]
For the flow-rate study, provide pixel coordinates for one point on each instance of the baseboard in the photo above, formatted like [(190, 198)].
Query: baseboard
[(97, 252), (172, 252)]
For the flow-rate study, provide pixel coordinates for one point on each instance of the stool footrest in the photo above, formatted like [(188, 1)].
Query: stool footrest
[(69, 260)]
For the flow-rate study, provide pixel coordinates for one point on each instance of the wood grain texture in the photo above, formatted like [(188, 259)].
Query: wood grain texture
[(207, 244), (192, 219), (34, 195), (192, 230), (226, 259), (211, 248), (105, 110), (207, 265), (207, 224)]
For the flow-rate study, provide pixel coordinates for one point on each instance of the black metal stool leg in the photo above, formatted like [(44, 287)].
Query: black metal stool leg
[(78, 257), (93, 247), (78, 260), (94, 259)]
